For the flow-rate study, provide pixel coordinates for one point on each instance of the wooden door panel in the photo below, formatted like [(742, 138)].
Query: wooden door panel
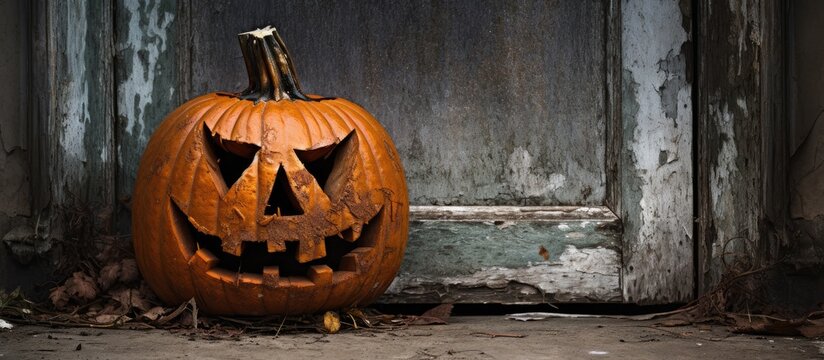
[(489, 102), (522, 105)]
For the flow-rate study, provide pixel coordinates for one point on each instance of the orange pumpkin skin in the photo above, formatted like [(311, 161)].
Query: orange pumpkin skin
[(269, 206)]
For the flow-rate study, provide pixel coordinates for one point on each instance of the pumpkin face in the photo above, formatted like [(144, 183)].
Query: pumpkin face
[(269, 201)]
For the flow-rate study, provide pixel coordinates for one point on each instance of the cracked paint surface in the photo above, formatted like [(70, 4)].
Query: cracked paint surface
[(149, 85), (657, 161), (587, 274), (74, 110), (527, 260)]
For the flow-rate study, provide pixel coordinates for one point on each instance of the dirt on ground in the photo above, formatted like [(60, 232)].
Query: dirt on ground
[(476, 337)]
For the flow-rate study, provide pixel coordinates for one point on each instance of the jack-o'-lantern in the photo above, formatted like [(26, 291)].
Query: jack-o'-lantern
[(269, 201)]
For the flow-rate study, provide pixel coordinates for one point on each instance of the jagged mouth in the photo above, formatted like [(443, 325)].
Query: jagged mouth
[(256, 261)]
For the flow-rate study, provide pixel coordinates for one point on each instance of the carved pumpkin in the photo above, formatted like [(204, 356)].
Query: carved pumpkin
[(269, 201)]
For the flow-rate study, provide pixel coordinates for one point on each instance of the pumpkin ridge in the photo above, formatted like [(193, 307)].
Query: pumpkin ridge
[(253, 127), (307, 115), (353, 124), (189, 106), (332, 256), (213, 120), (380, 131), (358, 124), (243, 118), (227, 120), (349, 123), (320, 119), (180, 161)]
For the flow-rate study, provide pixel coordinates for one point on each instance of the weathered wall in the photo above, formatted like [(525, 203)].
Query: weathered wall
[(807, 127), (150, 51), (656, 162), (760, 87), (806, 149), (65, 188), (489, 102), (733, 52), (15, 207)]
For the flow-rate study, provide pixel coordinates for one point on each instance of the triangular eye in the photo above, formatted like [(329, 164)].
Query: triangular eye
[(282, 201), (329, 162), (232, 157)]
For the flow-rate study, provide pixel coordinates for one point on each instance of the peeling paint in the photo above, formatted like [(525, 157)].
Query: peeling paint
[(578, 274), (522, 177), (723, 176), (458, 255), (147, 39), (75, 112), (657, 169)]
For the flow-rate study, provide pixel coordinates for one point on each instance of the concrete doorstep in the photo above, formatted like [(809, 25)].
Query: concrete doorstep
[(465, 337)]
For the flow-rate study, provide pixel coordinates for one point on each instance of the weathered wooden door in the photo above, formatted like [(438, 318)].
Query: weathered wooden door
[(535, 175)]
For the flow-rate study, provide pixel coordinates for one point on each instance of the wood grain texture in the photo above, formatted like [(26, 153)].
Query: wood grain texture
[(510, 255), (62, 127), (72, 111), (742, 174), (490, 103), (150, 46), (656, 167)]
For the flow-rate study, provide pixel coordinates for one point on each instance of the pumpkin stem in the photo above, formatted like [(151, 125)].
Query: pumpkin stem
[(271, 73)]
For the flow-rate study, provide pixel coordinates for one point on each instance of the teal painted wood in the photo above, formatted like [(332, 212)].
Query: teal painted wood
[(80, 113), (482, 255), (72, 114), (68, 122)]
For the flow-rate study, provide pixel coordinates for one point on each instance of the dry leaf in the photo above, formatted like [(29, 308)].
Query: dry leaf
[(128, 271), (81, 287), (153, 313), (108, 275), (438, 315), (810, 326), (110, 309), (130, 298), (59, 297), (107, 319), (176, 313), (331, 322)]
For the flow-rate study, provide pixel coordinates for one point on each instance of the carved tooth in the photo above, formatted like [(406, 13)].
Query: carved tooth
[(271, 276), (203, 260), (274, 246), (251, 279), (223, 274), (353, 233), (234, 248), (310, 250), (320, 274), (349, 262)]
